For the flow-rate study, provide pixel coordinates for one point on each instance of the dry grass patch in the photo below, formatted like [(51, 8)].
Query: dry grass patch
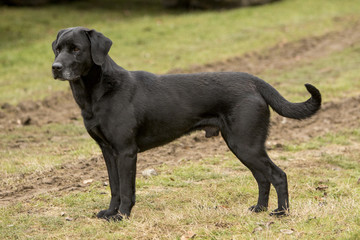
[(209, 200)]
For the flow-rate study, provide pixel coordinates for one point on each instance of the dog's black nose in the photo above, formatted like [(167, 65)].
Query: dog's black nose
[(57, 66)]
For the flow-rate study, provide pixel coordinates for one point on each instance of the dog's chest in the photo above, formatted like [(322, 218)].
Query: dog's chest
[(90, 120), (92, 125)]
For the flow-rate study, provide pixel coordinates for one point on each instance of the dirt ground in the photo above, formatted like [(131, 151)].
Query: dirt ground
[(61, 108)]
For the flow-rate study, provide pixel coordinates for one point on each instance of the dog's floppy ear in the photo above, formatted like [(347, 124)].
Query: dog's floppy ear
[(57, 38), (100, 46)]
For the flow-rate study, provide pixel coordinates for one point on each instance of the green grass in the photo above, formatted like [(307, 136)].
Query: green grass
[(207, 198), (34, 148), (147, 37), (336, 75), (344, 138), (25, 61)]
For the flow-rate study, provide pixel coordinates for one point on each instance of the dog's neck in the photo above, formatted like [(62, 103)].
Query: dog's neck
[(91, 87), (84, 88)]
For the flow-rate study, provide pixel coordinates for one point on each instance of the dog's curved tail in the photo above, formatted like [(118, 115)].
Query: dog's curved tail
[(288, 109)]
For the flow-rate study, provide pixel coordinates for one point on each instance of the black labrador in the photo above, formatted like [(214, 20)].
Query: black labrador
[(127, 112)]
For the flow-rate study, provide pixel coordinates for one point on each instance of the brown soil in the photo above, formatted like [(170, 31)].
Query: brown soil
[(60, 107)]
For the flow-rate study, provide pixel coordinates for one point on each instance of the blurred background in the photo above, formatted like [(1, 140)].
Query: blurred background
[(156, 35)]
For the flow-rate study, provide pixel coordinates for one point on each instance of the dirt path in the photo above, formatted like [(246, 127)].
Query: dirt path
[(60, 107), (285, 54)]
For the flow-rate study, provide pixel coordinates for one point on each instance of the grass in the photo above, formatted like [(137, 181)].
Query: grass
[(35, 148), (147, 37), (207, 198), (344, 138), (155, 24), (210, 197), (336, 75)]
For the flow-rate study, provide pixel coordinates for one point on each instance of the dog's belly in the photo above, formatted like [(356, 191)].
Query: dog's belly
[(150, 136), (147, 142), (153, 136)]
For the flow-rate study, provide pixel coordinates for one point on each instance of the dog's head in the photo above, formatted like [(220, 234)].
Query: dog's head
[(76, 51)]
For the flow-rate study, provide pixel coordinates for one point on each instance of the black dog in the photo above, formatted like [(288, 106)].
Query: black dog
[(127, 112)]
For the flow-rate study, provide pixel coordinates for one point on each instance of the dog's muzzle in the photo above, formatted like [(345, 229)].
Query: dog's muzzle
[(63, 73), (57, 70)]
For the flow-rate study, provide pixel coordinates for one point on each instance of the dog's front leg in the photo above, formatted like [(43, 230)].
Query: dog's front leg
[(110, 160), (126, 163)]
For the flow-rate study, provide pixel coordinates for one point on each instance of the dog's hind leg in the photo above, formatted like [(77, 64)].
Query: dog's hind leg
[(264, 191), (245, 132)]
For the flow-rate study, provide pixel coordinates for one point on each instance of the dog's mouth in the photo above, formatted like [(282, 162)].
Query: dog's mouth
[(65, 76), (56, 77)]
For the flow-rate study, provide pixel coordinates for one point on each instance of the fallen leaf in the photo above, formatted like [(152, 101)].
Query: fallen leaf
[(149, 172), (188, 235), (257, 229), (321, 187), (269, 223), (48, 181), (310, 218), (287, 231), (324, 181), (88, 181), (224, 206), (222, 225)]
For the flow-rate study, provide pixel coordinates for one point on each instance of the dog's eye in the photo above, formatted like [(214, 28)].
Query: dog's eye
[(76, 49), (57, 51)]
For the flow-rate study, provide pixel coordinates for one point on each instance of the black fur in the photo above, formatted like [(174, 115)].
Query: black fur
[(127, 112)]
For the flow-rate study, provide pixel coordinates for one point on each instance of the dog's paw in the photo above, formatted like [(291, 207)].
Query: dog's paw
[(116, 218), (101, 213), (257, 208), (110, 215), (280, 212)]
